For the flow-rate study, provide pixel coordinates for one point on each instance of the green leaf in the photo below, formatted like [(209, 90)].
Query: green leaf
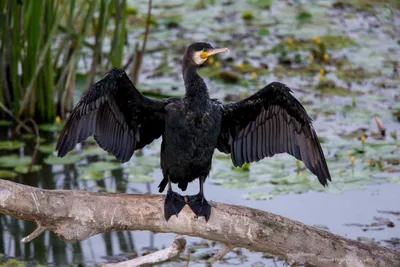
[(11, 145), (94, 151), (47, 148), (7, 174), (5, 123), (12, 161), (51, 127), (140, 178), (304, 17), (94, 176), (263, 32), (97, 170), (24, 169), (99, 167), (68, 159)]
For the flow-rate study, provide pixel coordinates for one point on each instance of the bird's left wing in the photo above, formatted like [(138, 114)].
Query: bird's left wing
[(121, 119), (269, 122)]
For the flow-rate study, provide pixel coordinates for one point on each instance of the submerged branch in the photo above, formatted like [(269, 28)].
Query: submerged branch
[(77, 215), (166, 254)]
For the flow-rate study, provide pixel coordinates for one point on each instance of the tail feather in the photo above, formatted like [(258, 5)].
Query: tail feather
[(162, 185)]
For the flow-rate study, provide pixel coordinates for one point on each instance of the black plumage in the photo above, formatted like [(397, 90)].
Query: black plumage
[(122, 120)]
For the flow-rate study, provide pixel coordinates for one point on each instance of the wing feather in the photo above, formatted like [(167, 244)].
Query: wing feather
[(269, 122), (113, 111)]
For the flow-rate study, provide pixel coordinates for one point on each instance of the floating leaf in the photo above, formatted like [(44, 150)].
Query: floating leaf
[(233, 184), (283, 190), (94, 151), (11, 145), (48, 148), (94, 175), (99, 167), (24, 169), (5, 123), (97, 170), (244, 168), (53, 127), (247, 15), (30, 136), (7, 174), (12, 161), (304, 16), (290, 180), (263, 32), (140, 178), (68, 159)]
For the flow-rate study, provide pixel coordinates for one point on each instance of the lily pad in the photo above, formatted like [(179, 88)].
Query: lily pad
[(7, 174), (140, 178), (68, 159), (99, 167), (94, 151), (30, 136), (97, 170), (5, 123), (12, 161), (11, 145), (53, 127), (24, 169), (94, 175), (47, 148), (283, 190)]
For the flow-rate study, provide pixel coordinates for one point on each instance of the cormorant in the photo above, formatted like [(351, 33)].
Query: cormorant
[(122, 120)]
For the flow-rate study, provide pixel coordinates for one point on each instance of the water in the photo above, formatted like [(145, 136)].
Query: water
[(330, 210), (366, 70)]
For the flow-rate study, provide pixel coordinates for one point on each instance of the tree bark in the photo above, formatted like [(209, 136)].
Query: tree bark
[(77, 215)]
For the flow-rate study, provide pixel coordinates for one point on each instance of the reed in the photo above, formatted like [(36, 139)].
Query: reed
[(41, 45)]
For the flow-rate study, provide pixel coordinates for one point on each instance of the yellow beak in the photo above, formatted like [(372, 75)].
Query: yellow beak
[(213, 52)]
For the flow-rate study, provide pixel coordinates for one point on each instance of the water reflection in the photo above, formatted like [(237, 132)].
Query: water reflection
[(48, 249)]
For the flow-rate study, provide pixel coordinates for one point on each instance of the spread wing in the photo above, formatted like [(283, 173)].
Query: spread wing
[(269, 122), (121, 119)]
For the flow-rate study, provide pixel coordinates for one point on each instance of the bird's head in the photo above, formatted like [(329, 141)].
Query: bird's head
[(198, 53)]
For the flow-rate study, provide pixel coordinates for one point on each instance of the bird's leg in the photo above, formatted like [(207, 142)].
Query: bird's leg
[(198, 203), (174, 202)]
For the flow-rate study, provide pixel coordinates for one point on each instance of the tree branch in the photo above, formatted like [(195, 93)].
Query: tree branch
[(166, 254), (77, 215)]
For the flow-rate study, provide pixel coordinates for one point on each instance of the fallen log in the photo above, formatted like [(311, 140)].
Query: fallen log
[(78, 214)]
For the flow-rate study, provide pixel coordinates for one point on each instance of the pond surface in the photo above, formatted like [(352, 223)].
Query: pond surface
[(340, 59)]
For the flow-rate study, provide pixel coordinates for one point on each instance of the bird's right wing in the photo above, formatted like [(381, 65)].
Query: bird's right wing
[(121, 119)]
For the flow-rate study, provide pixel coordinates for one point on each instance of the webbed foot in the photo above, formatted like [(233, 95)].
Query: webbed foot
[(199, 205), (173, 204)]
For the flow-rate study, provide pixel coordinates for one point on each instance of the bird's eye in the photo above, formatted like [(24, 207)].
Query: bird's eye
[(204, 49)]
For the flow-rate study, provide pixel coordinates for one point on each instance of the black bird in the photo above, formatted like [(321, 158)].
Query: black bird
[(122, 120)]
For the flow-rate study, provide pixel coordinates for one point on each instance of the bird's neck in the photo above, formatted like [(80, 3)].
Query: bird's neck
[(196, 88)]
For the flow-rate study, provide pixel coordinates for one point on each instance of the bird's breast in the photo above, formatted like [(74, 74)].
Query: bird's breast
[(192, 133)]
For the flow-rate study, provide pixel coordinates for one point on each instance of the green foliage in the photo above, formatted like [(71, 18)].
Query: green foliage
[(330, 87), (16, 263), (263, 4), (371, 4), (68, 159), (25, 169), (41, 44), (7, 174), (14, 161), (247, 15), (303, 16), (10, 145), (263, 32)]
